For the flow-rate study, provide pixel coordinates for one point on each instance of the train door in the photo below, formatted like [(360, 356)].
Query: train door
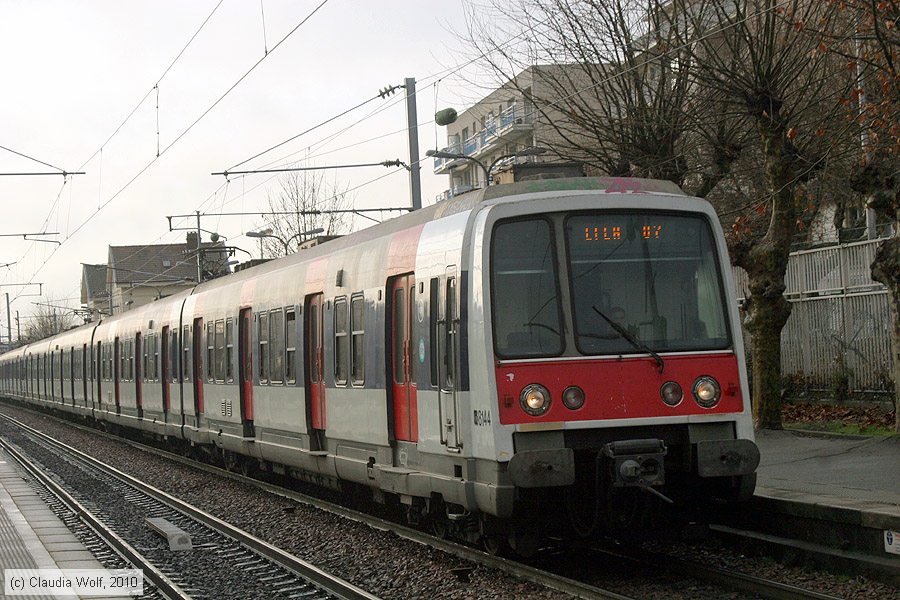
[(315, 394), (448, 351), (73, 363), (116, 372), (403, 385), (197, 351), (62, 375), (98, 369), (164, 357), (186, 370), (139, 373), (245, 369)]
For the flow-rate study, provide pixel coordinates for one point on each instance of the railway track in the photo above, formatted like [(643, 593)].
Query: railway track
[(223, 558), (751, 586)]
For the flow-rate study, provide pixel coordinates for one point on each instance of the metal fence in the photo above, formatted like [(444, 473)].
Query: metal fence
[(840, 324)]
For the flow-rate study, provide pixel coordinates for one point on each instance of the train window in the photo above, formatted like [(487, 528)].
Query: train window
[(434, 304), (151, 352), (229, 350), (219, 366), (186, 353), (357, 339), (173, 355), (399, 334), (652, 275), (210, 351), (263, 337), (276, 348), (290, 341), (341, 341), (525, 299), (123, 360), (144, 363), (313, 324), (451, 317)]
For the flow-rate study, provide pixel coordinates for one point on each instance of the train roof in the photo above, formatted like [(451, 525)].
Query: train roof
[(451, 206), (444, 208)]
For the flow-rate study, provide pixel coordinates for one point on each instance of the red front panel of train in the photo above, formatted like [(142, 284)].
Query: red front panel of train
[(617, 389)]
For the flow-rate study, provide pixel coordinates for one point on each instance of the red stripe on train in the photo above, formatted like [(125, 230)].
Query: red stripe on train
[(617, 389)]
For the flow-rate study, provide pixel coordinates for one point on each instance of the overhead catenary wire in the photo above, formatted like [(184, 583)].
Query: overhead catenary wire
[(137, 175)]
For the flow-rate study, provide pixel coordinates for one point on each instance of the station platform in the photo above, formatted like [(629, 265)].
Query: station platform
[(855, 472), (31, 535), (840, 492)]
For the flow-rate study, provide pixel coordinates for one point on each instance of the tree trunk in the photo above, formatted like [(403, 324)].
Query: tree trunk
[(767, 313), (886, 269), (766, 265)]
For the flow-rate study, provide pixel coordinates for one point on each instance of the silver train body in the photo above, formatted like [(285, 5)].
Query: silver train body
[(373, 359)]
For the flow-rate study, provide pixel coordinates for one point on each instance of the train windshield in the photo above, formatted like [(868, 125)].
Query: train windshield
[(637, 281), (527, 321), (652, 275)]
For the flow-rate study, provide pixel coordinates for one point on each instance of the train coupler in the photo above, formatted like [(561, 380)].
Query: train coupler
[(635, 463)]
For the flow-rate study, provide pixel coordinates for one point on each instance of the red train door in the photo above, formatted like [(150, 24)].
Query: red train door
[(403, 291), (198, 368), (164, 354), (315, 368), (245, 366)]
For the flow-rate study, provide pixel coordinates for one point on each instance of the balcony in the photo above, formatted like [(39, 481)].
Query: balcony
[(514, 120), (454, 191)]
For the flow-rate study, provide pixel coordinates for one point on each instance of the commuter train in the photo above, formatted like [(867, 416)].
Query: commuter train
[(540, 352)]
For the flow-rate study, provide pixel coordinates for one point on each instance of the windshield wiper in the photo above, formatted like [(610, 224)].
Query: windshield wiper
[(631, 339)]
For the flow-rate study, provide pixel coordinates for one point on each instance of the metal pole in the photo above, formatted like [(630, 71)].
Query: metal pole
[(18, 329), (199, 271), (871, 229), (8, 320), (415, 181)]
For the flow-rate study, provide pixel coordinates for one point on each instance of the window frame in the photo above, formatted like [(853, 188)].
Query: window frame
[(341, 339), (355, 333)]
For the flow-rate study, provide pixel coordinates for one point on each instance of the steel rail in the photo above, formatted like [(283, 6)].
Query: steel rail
[(163, 584), (732, 580), (559, 583), (334, 585)]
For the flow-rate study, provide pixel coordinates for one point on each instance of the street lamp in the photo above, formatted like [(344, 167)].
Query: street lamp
[(530, 151), (455, 155), (267, 233)]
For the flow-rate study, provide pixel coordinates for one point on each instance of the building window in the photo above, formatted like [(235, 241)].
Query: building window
[(263, 337), (341, 340), (357, 339), (290, 341), (276, 346)]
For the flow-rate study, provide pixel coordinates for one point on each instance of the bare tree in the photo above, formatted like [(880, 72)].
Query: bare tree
[(760, 57), (874, 52), (48, 321), (611, 84), (311, 200)]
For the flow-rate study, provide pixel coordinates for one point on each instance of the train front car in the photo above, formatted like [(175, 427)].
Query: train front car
[(614, 337)]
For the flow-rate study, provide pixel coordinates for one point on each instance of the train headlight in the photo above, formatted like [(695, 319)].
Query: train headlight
[(535, 399), (573, 397), (707, 391), (671, 393)]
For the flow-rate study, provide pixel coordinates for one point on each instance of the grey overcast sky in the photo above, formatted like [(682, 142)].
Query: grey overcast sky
[(74, 70)]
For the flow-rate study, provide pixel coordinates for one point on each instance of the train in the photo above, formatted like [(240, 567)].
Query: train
[(561, 351)]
